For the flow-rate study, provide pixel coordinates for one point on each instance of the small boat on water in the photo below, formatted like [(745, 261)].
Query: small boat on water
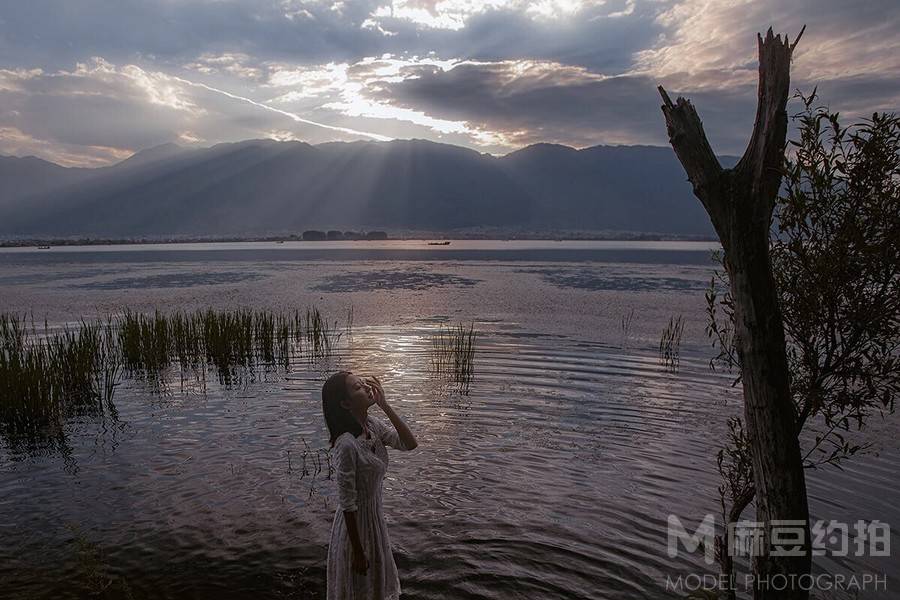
[(438, 243)]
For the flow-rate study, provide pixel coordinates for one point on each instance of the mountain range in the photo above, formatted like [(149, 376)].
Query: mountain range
[(258, 187)]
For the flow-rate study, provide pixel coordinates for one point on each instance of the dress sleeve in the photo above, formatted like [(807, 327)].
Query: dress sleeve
[(345, 469), (388, 434)]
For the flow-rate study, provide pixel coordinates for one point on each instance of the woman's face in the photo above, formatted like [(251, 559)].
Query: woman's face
[(360, 395)]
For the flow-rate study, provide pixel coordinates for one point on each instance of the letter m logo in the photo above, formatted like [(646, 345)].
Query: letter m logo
[(703, 538)]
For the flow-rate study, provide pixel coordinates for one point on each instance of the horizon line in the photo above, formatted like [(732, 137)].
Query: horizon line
[(368, 141)]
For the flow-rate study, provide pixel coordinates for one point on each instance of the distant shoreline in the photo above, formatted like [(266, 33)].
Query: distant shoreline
[(418, 236)]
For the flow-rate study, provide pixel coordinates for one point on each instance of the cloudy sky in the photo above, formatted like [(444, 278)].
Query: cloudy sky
[(89, 82)]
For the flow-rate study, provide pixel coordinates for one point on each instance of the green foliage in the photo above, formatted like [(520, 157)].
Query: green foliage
[(836, 259), (720, 329), (733, 462), (836, 263)]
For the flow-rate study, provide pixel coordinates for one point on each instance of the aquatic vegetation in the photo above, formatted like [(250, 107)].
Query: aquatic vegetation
[(670, 343), (46, 377), (95, 575), (627, 320), (233, 342), (349, 321), (49, 376), (453, 355), (313, 464), (320, 335)]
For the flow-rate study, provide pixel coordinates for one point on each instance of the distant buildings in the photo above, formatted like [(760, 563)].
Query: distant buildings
[(315, 235)]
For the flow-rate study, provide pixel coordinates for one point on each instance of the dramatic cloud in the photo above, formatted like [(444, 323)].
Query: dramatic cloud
[(113, 111), (456, 14), (524, 102), (90, 82)]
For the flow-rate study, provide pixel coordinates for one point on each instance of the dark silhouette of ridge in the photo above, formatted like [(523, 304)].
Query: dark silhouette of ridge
[(260, 186)]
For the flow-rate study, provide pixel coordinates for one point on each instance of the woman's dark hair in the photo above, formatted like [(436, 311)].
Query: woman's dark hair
[(338, 418)]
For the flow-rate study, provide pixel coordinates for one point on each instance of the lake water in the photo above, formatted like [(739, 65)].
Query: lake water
[(553, 478)]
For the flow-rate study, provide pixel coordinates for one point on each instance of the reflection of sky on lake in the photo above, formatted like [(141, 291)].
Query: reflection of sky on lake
[(265, 253), (619, 279), (169, 280), (31, 277), (554, 287), (416, 278)]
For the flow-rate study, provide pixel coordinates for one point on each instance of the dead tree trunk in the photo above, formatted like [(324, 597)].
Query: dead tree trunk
[(740, 203)]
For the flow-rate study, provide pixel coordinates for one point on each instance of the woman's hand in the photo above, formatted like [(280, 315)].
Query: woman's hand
[(377, 391), (360, 562), (406, 437)]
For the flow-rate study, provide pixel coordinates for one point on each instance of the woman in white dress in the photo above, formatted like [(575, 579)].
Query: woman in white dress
[(360, 562)]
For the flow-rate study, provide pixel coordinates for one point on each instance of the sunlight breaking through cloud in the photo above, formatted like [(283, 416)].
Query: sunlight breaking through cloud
[(17, 143), (455, 14), (293, 116), (492, 75), (122, 109), (350, 87)]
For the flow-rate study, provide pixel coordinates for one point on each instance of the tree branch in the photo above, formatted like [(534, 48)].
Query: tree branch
[(693, 150), (761, 164), (740, 503)]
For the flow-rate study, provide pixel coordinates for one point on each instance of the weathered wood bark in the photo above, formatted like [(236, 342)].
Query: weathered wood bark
[(740, 203)]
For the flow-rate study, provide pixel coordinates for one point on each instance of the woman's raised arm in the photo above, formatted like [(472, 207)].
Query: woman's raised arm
[(406, 437)]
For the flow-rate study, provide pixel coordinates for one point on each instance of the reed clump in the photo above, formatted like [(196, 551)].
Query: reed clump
[(453, 354), (232, 342), (670, 343), (48, 376), (627, 320), (96, 577)]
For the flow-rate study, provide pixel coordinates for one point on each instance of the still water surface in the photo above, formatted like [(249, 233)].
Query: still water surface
[(552, 479)]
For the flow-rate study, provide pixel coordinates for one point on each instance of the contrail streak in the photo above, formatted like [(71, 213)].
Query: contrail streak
[(295, 117)]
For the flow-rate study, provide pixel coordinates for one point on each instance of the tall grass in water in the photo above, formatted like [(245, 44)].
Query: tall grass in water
[(453, 355), (627, 320), (320, 336), (233, 342), (96, 577), (47, 377), (670, 343), (349, 322)]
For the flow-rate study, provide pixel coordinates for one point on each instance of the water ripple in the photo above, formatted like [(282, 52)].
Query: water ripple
[(552, 479)]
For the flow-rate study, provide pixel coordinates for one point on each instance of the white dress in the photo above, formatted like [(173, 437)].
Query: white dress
[(360, 465)]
